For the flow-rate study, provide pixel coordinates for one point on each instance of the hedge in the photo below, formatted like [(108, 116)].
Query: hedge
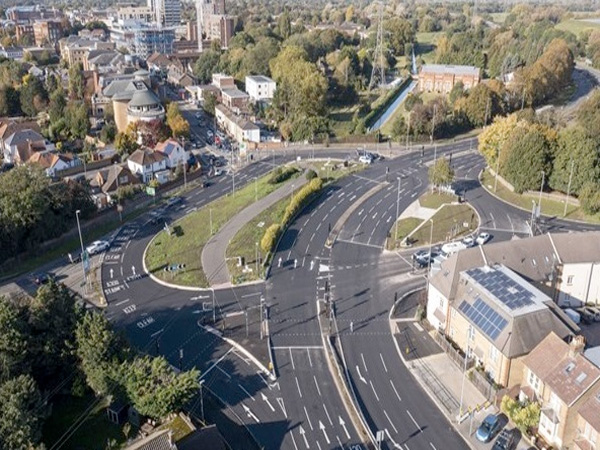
[(279, 175), (269, 239)]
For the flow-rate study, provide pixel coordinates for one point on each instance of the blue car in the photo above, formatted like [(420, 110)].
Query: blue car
[(488, 428)]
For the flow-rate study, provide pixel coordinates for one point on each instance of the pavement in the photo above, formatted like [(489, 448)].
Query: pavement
[(416, 210), (214, 252)]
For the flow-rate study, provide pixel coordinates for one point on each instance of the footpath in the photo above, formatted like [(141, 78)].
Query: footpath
[(214, 252)]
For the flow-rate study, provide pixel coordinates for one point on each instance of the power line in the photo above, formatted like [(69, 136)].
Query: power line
[(378, 57)]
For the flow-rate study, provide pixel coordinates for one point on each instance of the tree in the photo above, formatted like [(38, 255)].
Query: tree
[(481, 105), (209, 103), (176, 122), (349, 16), (21, 415), (398, 128), (284, 25), (206, 65), (400, 32), (493, 138), (57, 105), (99, 350), (412, 100), (9, 101), (441, 173), (108, 132), (578, 155), (125, 144), (76, 83), (33, 96), (588, 115), (589, 197), (155, 389), (77, 119), (14, 340), (457, 91), (269, 239)]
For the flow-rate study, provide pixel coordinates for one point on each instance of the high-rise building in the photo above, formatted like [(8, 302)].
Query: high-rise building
[(167, 13), (213, 22), (149, 40)]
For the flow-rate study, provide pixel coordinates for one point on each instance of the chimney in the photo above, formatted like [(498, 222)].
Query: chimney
[(576, 346)]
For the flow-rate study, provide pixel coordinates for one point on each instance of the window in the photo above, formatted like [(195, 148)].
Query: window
[(493, 354), (546, 426), (589, 433), (534, 381), (555, 403), (570, 280), (471, 333)]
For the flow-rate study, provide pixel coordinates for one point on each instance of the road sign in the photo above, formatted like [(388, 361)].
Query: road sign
[(85, 257), (150, 191)]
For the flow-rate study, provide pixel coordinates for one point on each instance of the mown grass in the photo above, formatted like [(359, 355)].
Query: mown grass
[(434, 200), (448, 224), (550, 207), (400, 230), (577, 26), (192, 232)]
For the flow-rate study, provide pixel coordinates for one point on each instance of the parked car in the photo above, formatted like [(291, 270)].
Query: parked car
[(97, 247), (74, 257), (174, 201), (587, 317), (41, 277), (506, 440), (590, 313), (469, 241), (488, 428), (218, 173), (483, 238), (595, 311), (365, 159)]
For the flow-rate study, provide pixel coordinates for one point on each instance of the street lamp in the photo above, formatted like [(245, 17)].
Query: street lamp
[(429, 258), (398, 207), (82, 250), (255, 189), (541, 188)]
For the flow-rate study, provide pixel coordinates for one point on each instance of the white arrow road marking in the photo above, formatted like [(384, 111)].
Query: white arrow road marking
[(303, 434), (322, 428), (343, 425), (264, 397), (396, 445), (250, 414), (282, 406), (111, 274), (360, 375)]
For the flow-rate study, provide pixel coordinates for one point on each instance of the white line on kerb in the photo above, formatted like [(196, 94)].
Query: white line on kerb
[(414, 421)]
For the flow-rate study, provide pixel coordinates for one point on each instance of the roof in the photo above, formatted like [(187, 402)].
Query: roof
[(572, 248), (205, 438), (590, 412), (568, 375), (506, 310), (144, 98), (9, 126), (145, 157), (167, 147), (259, 79), (441, 69), (24, 136), (48, 159), (235, 93), (159, 440), (106, 179), (136, 91)]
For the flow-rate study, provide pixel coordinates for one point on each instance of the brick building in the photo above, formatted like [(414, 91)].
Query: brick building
[(442, 78)]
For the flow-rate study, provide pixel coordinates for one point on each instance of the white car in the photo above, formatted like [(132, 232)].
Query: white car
[(365, 159), (218, 173), (198, 116), (483, 238), (469, 241), (97, 247), (209, 133)]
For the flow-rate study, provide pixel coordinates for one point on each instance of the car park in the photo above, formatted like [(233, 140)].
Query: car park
[(505, 441), (488, 428), (483, 238), (174, 201), (97, 247)]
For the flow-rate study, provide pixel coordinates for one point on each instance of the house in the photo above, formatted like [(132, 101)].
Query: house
[(19, 146), (442, 78), (240, 129), (234, 99), (53, 162), (145, 163), (11, 52), (9, 126), (223, 81), (158, 440), (174, 152), (566, 385), (588, 425), (260, 88), (109, 179), (497, 317)]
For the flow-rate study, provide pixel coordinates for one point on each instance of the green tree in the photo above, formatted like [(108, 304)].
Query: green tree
[(588, 115), (99, 350), (57, 105), (125, 143), (206, 65), (209, 103), (14, 340), (22, 413), (457, 92), (76, 82), (284, 25), (400, 32), (441, 173), (155, 389), (9, 101), (176, 122), (33, 96), (492, 139), (481, 105), (269, 239), (398, 128), (589, 197), (108, 132), (77, 119), (577, 154)]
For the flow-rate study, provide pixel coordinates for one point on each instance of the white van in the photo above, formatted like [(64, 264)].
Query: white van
[(452, 247)]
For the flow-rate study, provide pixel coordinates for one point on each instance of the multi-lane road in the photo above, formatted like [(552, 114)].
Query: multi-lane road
[(303, 409)]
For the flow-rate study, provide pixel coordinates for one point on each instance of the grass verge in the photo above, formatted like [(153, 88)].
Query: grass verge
[(191, 233), (405, 227), (448, 223), (434, 200), (550, 207)]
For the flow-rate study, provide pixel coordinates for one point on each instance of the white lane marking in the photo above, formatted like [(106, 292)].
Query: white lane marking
[(432, 446), (294, 440), (308, 418), (282, 406), (374, 392), (395, 391), (298, 384), (383, 362), (242, 388), (361, 355), (292, 359), (319, 445), (390, 421), (317, 385), (327, 413), (245, 295), (414, 421), (122, 302)]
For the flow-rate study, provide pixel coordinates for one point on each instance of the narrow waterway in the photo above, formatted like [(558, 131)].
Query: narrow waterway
[(395, 105)]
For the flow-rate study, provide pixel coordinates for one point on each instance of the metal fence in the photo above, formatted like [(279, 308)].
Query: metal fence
[(483, 385)]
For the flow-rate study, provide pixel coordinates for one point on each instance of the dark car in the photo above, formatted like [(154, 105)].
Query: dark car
[(206, 184), (506, 440), (41, 278), (174, 201), (488, 428)]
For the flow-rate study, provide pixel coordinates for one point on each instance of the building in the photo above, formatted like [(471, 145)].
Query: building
[(174, 152), (11, 52), (24, 33), (240, 129), (167, 13), (21, 14), (497, 318), (442, 78), (53, 162), (109, 179), (105, 61), (260, 88), (76, 50), (20, 144), (567, 386), (234, 99), (143, 14), (223, 81), (47, 32), (132, 100), (214, 23), (147, 164), (152, 39)]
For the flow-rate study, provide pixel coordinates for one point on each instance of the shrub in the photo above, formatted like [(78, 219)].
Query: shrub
[(299, 200), (269, 239), (310, 174), (524, 415), (280, 175), (589, 197)]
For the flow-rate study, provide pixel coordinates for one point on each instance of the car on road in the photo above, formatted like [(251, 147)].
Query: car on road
[(198, 116), (157, 215), (218, 173), (174, 201), (206, 184), (209, 133), (488, 428), (364, 159), (506, 440), (423, 258), (483, 238), (97, 247), (40, 278)]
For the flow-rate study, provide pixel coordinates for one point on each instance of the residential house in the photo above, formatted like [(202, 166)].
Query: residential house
[(566, 385), (108, 180), (234, 99), (174, 151), (158, 440), (20, 145), (442, 78), (11, 52), (53, 162), (497, 317), (10, 126), (588, 425), (242, 130), (223, 81), (147, 164), (260, 88)]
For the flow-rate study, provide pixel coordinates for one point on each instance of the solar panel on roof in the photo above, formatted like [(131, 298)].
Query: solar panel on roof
[(484, 318), (503, 287)]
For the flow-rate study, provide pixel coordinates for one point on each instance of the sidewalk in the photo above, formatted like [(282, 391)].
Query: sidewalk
[(416, 210), (443, 381), (214, 252)]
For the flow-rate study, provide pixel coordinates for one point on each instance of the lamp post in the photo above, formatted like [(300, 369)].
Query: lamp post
[(569, 187), (398, 205), (255, 189), (541, 188), (82, 250)]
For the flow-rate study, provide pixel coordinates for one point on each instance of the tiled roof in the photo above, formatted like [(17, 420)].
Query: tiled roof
[(590, 412), (145, 157), (167, 147), (160, 440)]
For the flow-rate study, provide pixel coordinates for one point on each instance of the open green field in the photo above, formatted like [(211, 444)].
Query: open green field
[(577, 26), (192, 232), (550, 207), (400, 230), (244, 243), (448, 224), (93, 434)]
